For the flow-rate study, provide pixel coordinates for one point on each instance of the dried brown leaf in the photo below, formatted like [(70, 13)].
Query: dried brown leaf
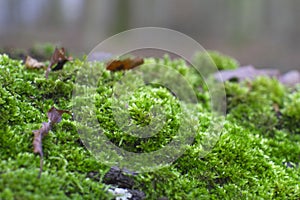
[(38, 136), (31, 63), (126, 64), (58, 59), (54, 116)]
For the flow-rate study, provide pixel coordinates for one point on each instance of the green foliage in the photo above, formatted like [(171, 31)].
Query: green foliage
[(19, 181), (25, 99), (42, 51), (239, 166), (252, 103), (141, 109), (221, 61), (291, 113), (247, 162), (269, 88)]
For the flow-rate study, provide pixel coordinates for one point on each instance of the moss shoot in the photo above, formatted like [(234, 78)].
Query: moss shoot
[(256, 157)]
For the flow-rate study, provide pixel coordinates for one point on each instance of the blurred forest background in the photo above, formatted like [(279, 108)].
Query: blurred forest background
[(264, 33)]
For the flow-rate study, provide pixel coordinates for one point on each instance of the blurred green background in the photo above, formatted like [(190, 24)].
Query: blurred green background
[(264, 33)]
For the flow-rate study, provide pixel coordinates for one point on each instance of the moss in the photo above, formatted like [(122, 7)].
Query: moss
[(25, 98), (291, 112), (253, 103), (237, 167), (247, 162), (42, 51), (221, 61), (141, 106)]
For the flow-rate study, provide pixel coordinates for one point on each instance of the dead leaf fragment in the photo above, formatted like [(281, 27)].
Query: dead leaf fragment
[(126, 64), (58, 59), (31, 63), (54, 116), (38, 136)]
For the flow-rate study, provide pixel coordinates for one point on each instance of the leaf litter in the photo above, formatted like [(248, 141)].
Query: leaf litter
[(58, 60), (54, 117)]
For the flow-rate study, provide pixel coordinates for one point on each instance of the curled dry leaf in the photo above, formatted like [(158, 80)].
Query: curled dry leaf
[(54, 116), (126, 64), (58, 59), (31, 63)]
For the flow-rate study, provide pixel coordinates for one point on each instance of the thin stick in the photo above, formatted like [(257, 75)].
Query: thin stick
[(41, 165)]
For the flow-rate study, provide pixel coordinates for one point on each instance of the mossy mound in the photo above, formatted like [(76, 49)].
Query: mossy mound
[(222, 62), (256, 157)]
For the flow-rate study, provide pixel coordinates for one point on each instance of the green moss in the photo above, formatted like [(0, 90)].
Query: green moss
[(291, 112), (237, 167), (25, 99), (269, 88), (253, 103), (141, 106), (246, 163), (42, 51), (221, 61)]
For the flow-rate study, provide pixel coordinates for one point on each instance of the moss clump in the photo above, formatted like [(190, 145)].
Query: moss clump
[(290, 112), (142, 111), (142, 108), (25, 98), (221, 61), (252, 103), (263, 104), (239, 166), (248, 162), (41, 52)]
